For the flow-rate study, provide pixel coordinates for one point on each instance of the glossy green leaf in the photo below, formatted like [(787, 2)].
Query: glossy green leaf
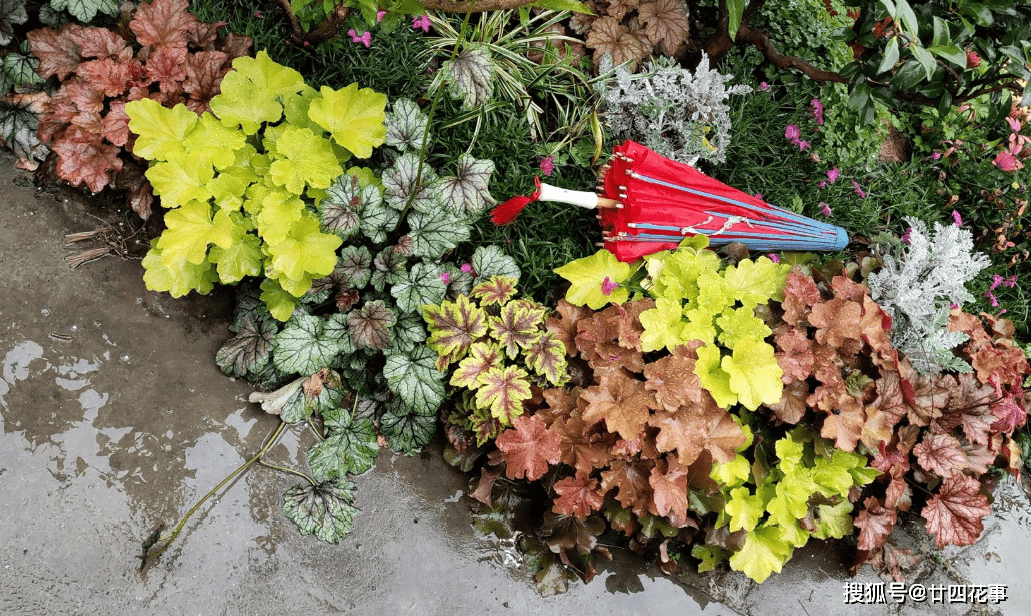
[(891, 55), (249, 350), (399, 184), (466, 192), (406, 126), (436, 231), (490, 261), (408, 429)]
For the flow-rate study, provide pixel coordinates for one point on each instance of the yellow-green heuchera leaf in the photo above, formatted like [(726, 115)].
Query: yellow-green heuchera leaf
[(161, 131), (764, 552), (592, 280), (755, 376), (354, 117)]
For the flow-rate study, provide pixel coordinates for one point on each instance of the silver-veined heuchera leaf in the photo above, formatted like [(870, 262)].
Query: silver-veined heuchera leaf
[(406, 125), (354, 266), (416, 379), (399, 184), (12, 13), (388, 268), (421, 286), (407, 430), (350, 446), (378, 219), (323, 510), (303, 347), (370, 326), (408, 333), (344, 200), (492, 261), (471, 75), (467, 191), (495, 290), (517, 327), (454, 326), (436, 231), (250, 349)]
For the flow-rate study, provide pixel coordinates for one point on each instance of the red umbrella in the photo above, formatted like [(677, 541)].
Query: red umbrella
[(647, 203)]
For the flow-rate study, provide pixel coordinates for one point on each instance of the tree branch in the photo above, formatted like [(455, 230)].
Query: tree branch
[(759, 38)]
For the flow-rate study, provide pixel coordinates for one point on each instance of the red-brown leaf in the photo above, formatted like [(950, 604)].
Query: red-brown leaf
[(582, 449), (955, 514), (98, 43), (564, 324), (108, 75), (800, 292), (631, 481), (665, 21), (837, 320), (669, 491), (875, 523), (57, 52), (116, 124), (578, 496), (167, 66), (794, 355), (83, 158), (792, 406), (529, 447), (673, 380), (204, 73), (622, 402), (163, 23)]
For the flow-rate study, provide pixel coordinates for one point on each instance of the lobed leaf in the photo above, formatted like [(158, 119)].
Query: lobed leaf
[(408, 429), (323, 510), (415, 379), (350, 446), (303, 347)]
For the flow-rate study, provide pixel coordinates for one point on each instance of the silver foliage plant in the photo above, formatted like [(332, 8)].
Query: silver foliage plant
[(917, 289), (679, 114)]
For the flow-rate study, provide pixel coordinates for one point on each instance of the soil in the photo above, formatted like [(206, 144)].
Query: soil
[(115, 419)]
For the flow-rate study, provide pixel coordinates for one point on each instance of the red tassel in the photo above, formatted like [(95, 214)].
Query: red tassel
[(508, 211)]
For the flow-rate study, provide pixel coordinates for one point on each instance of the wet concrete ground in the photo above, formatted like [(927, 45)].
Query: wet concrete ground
[(115, 419)]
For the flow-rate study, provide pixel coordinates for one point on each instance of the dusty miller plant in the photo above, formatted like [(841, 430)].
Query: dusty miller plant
[(917, 289), (679, 114)]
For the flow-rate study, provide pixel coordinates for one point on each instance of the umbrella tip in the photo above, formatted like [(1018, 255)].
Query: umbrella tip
[(840, 239)]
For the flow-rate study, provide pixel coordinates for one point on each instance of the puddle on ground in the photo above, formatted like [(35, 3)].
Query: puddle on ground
[(114, 419)]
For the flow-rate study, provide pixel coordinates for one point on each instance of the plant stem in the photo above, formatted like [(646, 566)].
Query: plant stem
[(169, 538), (429, 117), (287, 469)]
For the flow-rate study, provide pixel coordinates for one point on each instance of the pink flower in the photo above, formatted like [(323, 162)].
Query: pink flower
[(973, 60), (607, 286), (818, 111), (822, 184), (467, 268), (791, 132), (905, 236), (307, 44), (548, 165), (802, 144), (859, 191), (1007, 162), (1011, 281), (991, 296), (936, 156), (257, 14), (832, 175), (1014, 124), (379, 16), (365, 38), (773, 258), (954, 305), (446, 277), (421, 21), (759, 196), (825, 209), (996, 281), (765, 87), (957, 219)]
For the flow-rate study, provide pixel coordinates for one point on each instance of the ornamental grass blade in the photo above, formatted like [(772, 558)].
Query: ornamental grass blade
[(323, 510)]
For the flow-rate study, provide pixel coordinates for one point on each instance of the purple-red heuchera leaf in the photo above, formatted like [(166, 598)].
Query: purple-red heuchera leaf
[(955, 514), (529, 447)]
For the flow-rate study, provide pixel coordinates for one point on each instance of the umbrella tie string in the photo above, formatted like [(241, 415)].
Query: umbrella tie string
[(730, 222)]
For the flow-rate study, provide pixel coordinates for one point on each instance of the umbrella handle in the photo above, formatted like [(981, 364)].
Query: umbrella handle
[(584, 199)]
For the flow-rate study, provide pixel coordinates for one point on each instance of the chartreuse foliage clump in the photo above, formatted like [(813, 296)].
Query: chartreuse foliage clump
[(779, 495), (697, 299), (250, 184), (496, 347), (352, 359)]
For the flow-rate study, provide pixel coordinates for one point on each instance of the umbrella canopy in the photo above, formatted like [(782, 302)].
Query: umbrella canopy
[(647, 203)]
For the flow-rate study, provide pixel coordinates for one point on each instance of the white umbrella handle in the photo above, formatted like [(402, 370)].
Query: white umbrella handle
[(583, 198)]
